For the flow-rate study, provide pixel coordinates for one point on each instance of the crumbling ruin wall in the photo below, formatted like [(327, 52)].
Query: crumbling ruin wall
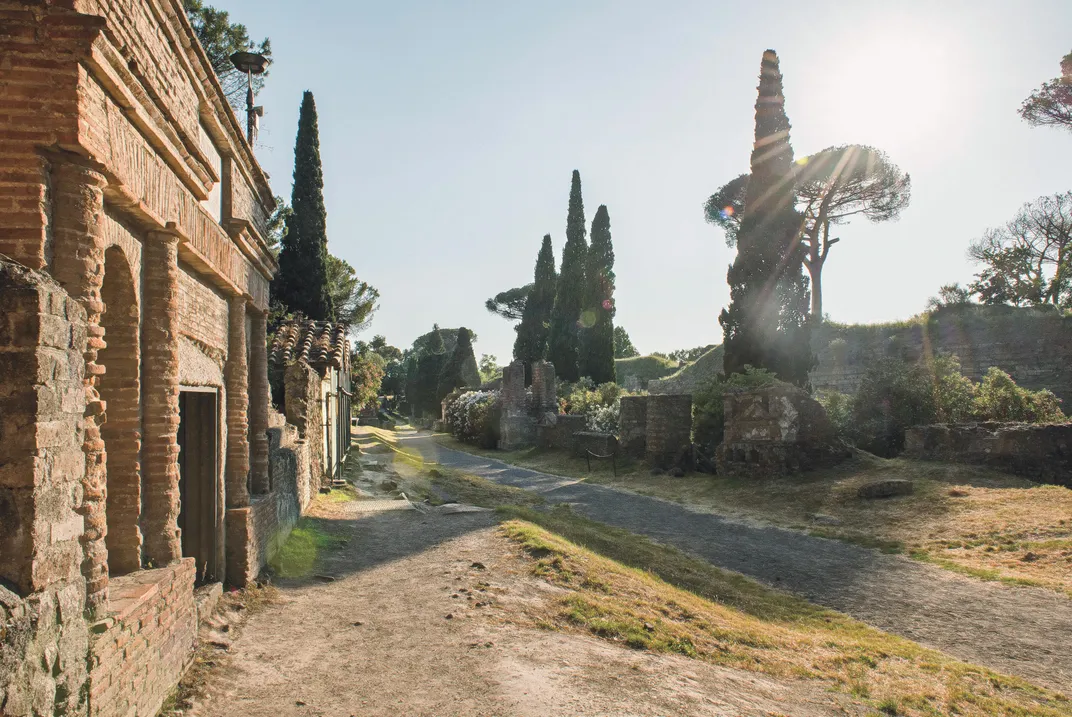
[(303, 410), (517, 427), (1040, 452), (633, 425), (668, 429), (43, 636), (776, 430)]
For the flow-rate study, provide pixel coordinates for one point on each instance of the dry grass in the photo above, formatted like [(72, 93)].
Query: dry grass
[(627, 589), (972, 520)]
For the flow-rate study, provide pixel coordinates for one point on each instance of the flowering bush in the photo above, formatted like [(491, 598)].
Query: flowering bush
[(604, 419), (599, 404), (473, 417)]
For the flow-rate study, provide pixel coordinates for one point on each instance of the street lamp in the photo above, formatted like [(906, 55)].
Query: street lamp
[(252, 64)]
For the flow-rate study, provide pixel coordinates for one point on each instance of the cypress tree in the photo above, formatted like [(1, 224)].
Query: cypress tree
[(460, 369), (531, 342), (302, 282), (569, 297), (766, 323), (429, 367), (597, 321)]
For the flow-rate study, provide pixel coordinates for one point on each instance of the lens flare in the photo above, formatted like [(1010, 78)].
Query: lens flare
[(588, 319), (726, 212)]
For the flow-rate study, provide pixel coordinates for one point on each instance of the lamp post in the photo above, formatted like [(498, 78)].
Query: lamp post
[(252, 64)]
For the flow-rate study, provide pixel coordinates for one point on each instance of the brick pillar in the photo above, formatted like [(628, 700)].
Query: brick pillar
[(259, 399), (237, 376), (160, 399), (78, 209)]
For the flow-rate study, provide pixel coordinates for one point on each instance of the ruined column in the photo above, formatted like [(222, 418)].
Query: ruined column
[(259, 400), (77, 212), (237, 377), (160, 399)]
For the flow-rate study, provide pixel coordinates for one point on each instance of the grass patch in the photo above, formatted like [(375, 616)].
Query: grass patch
[(299, 554), (632, 591)]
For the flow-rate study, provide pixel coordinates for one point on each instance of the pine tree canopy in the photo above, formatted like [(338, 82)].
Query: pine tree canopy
[(563, 340), (596, 358), (302, 282), (531, 342), (766, 323)]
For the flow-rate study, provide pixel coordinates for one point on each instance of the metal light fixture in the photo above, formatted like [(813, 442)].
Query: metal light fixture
[(252, 64)]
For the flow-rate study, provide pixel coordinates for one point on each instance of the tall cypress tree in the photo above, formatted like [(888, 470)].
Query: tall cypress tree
[(302, 282), (460, 369), (597, 321), (531, 342), (569, 297), (766, 323)]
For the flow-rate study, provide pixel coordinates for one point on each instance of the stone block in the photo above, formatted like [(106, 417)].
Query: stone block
[(633, 425), (668, 428), (601, 444)]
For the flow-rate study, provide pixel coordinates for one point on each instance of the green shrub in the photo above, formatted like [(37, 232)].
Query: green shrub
[(599, 403), (708, 417), (998, 398), (893, 395), (839, 409)]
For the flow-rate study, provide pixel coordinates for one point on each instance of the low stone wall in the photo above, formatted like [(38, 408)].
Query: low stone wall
[(560, 432), (633, 425), (668, 428), (776, 430), (601, 444), (1039, 452), (146, 642)]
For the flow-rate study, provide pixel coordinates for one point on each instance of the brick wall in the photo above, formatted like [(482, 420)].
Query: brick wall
[(141, 649), (204, 310), (560, 433)]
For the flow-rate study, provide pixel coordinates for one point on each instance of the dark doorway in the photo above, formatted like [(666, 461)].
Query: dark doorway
[(198, 490)]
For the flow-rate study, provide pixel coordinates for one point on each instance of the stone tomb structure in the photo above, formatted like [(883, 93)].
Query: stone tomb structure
[(776, 430), (523, 409), (135, 460)]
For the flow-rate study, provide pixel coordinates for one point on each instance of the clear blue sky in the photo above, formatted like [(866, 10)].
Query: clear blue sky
[(449, 131)]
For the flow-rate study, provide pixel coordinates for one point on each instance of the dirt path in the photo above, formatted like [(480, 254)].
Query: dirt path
[(406, 628), (1017, 630)]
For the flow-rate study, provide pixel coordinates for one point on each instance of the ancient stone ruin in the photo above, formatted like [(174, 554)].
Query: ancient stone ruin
[(1040, 452), (776, 430), (523, 409)]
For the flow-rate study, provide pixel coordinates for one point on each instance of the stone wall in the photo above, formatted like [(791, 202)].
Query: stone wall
[(776, 430), (668, 428), (42, 402), (633, 425), (559, 430), (140, 651), (601, 444), (1040, 452)]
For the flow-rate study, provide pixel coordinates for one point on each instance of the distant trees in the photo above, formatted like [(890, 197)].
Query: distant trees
[(534, 329), (689, 355), (302, 282), (489, 368), (221, 38), (569, 298), (1027, 261), (766, 323), (832, 186), (596, 351), (430, 363), (1051, 104), (367, 370), (623, 345)]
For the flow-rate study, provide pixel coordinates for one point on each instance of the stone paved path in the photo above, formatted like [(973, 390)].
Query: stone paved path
[(1017, 630)]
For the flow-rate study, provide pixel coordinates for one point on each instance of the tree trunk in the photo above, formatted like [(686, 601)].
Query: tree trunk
[(815, 270)]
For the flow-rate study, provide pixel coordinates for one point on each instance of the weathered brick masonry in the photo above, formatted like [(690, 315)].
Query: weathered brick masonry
[(135, 458)]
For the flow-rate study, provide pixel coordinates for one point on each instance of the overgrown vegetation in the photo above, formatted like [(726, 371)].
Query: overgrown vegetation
[(474, 416), (895, 394), (708, 413), (625, 588)]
